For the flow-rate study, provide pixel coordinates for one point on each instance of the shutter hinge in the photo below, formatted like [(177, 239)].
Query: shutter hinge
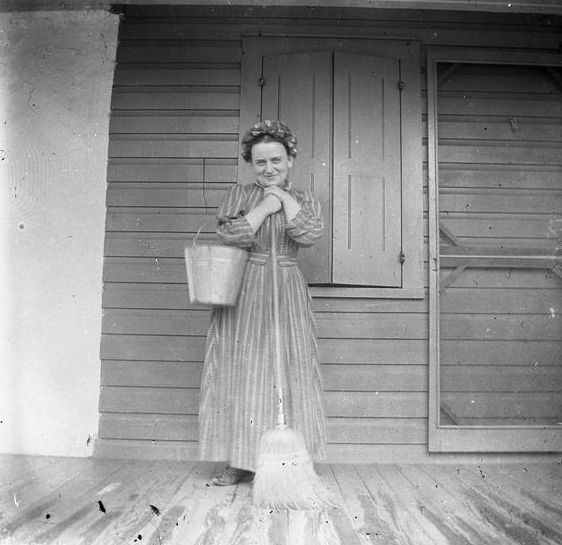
[(401, 84), (261, 82), (402, 257)]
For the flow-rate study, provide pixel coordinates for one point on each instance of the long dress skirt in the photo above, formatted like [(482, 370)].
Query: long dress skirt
[(238, 391)]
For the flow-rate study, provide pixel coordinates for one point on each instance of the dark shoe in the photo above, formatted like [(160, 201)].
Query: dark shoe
[(232, 475)]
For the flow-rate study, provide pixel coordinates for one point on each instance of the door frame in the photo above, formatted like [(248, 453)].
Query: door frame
[(447, 438)]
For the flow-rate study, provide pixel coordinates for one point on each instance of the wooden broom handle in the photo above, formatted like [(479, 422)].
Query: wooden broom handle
[(277, 325)]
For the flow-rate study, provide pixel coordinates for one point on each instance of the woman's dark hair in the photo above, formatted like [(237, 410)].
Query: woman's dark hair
[(268, 131)]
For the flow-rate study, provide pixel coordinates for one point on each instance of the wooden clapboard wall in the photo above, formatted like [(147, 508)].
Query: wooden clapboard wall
[(173, 153), (500, 162)]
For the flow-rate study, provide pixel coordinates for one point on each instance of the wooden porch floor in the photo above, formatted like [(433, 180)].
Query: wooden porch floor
[(93, 501)]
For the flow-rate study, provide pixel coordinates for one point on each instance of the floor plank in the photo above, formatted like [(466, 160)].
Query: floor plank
[(97, 501), (63, 506), (243, 524), (17, 469), (400, 507), (144, 521), (441, 503), (34, 494), (16, 474), (504, 504), (127, 508), (176, 508), (197, 506), (536, 486), (360, 509)]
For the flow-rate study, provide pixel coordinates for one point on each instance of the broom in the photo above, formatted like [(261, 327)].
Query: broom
[(285, 476)]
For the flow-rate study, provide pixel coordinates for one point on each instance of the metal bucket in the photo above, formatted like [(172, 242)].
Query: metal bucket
[(214, 274)]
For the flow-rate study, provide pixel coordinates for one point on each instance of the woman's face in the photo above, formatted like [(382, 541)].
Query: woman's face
[(271, 163)]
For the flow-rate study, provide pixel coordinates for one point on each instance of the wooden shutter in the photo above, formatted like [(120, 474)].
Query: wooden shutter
[(363, 239), (297, 90), (367, 181)]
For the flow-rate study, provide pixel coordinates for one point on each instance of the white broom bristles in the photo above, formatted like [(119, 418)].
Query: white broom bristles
[(285, 476)]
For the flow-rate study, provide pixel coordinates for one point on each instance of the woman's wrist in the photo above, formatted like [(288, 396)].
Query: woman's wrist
[(256, 217), (264, 209), (291, 209)]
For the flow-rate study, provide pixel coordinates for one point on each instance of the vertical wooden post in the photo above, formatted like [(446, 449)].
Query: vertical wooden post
[(433, 194)]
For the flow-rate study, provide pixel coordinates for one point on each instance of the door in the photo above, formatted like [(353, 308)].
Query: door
[(496, 292)]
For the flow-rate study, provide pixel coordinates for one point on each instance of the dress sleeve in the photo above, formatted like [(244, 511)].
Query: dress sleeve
[(233, 229), (307, 226)]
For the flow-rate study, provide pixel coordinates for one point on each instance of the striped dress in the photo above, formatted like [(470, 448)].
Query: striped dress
[(238, 401)]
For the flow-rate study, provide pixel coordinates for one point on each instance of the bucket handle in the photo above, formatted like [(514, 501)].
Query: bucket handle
[(189, 266), (197, 234)]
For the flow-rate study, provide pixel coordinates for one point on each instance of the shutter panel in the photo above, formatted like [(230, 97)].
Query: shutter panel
[(297, 90), (367, 184)]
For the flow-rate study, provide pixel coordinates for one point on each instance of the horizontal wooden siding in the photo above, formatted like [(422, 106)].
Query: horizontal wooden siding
[(173, 154)]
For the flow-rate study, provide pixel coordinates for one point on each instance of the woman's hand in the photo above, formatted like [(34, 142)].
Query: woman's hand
[(279, 193), (271, 203), (290, 204)]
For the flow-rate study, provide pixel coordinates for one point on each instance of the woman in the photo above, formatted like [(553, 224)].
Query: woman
[(238, 399)]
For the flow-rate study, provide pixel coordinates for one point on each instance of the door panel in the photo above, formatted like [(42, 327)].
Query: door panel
[(367, 193), (297, 90)]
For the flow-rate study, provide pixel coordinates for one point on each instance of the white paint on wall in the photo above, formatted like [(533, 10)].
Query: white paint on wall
[(56, 72)]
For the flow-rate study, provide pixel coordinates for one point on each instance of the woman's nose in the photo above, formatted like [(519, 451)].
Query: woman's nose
[(269, 167)]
